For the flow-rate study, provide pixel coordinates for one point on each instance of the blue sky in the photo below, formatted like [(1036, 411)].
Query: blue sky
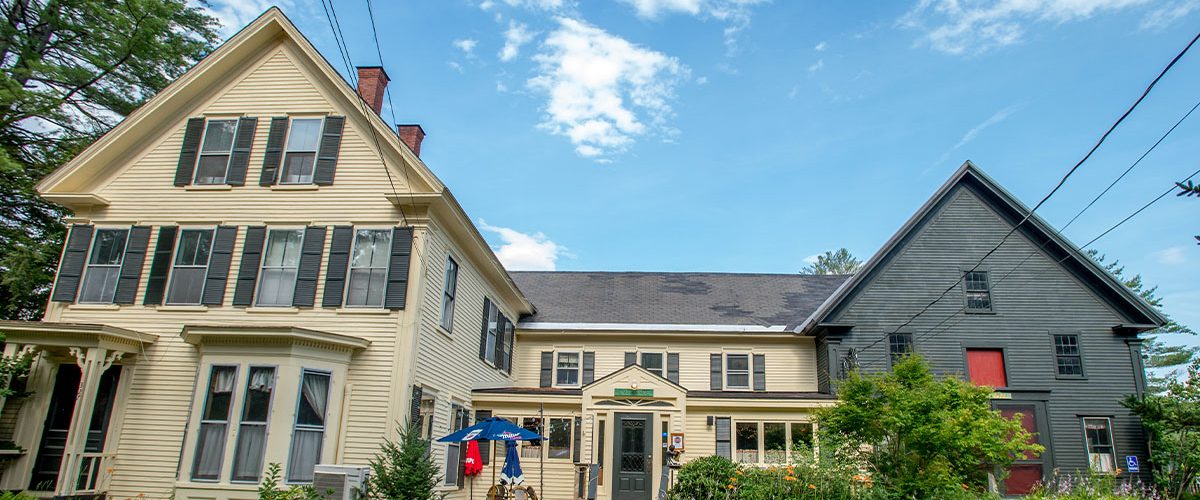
[(743, 135)]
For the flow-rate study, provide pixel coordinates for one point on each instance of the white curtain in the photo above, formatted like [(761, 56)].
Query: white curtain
[(262, 380), (222, 381), (247, 461), (306, 451), (316, 394), (209, 448)]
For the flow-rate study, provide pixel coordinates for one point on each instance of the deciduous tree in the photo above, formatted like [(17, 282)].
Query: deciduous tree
[(838, 261)]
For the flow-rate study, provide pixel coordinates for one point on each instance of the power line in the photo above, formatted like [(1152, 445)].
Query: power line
[(1057, 186)]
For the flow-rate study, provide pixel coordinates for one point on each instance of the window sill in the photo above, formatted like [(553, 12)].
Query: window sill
[(216, 485), (441, 329), (1070, 377), (96, 307), (208, 187), (182, 308), (981, 312), (370, 311), (268, 309), (294, 187)]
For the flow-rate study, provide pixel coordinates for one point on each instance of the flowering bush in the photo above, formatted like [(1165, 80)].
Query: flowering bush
[(1095, 485)]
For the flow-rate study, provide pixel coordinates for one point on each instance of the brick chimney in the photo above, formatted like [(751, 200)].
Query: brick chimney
[(412, 135), (372, 82)]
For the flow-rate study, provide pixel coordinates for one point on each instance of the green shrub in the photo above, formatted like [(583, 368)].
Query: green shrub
[(404, 469), (705, 478), (269, 489), (1094, 485)]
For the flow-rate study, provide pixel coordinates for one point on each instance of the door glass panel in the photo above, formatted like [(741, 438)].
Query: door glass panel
[(633, 446)]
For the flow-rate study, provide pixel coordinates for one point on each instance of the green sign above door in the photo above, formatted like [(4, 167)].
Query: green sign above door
[(637, 393)]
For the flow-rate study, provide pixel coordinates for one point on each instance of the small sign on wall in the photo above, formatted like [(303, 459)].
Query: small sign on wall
[(1131, 463), (677, 440)]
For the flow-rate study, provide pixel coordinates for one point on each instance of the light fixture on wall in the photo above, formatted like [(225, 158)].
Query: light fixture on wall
[(709, 421)]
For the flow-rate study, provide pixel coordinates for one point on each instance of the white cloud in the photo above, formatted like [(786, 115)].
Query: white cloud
[(551, 5), (1173, 256), (466, 45), (814, 67), (734, 13), (598, 83), (702, 80), (515, 36), (1166, 14), (996, 117), (811, 259), (524, 252), (820, 47), (973, 26), (651, 9), (487, 4), (501, 87), (234, 14)]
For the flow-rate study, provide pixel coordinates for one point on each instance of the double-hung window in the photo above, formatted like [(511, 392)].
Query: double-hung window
[(308, 434), (1102, 456), (213, 163), (1066, 356), (190, 266), (103, 266), (737, 371), (492, 335), (653, 363), (369, 267), (459, 418), (214, 423), (277, 279), (567, 369), (300, 155), (978, 292), (900, 345), (449, 289), (252, 431)]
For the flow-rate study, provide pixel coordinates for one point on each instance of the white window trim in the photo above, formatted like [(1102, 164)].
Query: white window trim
[(578, 369), (262, 258), (87, 264), (237, 123), (499, 335), (175, 255), (760, 429), (245, 389), (350, 268), (287, 140), (987, 275), (1087, 446), (570, 436), (663, 353), (233, 401), (749, 371), (446, 321)]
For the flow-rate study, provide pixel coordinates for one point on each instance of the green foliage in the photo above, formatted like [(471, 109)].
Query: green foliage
[(705, 478), (1173, 421), (1094, 485), (1189, 189), (11, 368), (71, 70), (269, 489), (839, 261), (10, 495), (404, 469), (925, 437), (1158, 354)]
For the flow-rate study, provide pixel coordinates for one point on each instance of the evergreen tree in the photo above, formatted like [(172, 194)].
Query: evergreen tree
[(839, 261), (71, 70), (404, 469)]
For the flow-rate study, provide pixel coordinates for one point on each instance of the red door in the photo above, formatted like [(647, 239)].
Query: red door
[(1026, 472), (986, 367)]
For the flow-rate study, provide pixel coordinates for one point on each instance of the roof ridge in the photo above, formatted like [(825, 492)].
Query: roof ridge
[(718, 273)]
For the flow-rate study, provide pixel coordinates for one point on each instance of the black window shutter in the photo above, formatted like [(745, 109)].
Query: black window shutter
[(70, 270), (760, 372), (327, 154), (577, 444), (723, 431), (589, 367), (485, 446), (164, 250), (131, 265), (273, 155), (310, 266), (510, 337), (499, 350), (487, 309), (414, 410), (397, 276), (239, 159), (630, 358), (243, 292), (339, 262), (218, 266), (714, 372), (673, 367), (187, 153), (547, 374)]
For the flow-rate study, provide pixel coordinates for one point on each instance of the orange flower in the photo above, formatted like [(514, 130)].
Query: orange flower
[(732, 479), (739, 472), (789, 478), (1118, 471), (812, 486), (730, 486), (965, 487)]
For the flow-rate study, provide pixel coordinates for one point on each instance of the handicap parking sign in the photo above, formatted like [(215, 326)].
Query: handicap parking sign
[(1131, 463)]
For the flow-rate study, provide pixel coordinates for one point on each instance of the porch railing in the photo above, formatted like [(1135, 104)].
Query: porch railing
[(91, 473)]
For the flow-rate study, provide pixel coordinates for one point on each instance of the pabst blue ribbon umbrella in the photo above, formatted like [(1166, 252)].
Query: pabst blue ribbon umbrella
[(496, 429)]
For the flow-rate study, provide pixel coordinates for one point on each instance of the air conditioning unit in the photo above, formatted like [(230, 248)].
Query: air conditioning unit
[(340, 482)]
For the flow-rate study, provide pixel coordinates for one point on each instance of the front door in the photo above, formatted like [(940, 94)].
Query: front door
[(52, 446), (1027, 470), (632, 454)]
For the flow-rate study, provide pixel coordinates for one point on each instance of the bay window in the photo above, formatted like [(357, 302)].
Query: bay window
[(252, 431), (214, 423), (308, 434)]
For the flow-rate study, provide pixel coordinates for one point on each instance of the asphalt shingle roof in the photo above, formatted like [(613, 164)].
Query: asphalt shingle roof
[(674, 298)]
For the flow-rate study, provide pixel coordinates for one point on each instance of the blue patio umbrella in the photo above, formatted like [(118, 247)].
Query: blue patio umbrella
[(512, 474), (491, 429)]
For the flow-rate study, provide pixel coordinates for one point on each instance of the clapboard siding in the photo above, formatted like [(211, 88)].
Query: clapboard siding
[(791, 361), (1039, 298)]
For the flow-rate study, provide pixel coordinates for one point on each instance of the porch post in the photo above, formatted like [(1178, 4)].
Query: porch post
[(92, 364)]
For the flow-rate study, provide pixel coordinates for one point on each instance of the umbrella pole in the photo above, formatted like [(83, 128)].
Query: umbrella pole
[(493, 447)]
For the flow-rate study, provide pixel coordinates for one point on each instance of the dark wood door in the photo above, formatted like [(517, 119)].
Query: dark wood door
[(1028, 469), (632, 456)]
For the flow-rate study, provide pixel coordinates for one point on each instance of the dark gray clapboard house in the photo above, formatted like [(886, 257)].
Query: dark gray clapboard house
[(1055, 333)]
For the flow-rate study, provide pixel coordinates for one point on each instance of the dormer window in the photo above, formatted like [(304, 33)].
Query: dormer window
[(217, 146), (301, 152)]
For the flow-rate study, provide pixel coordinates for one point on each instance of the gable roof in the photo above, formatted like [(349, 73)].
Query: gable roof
[(1141, 314), (712, 299)]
